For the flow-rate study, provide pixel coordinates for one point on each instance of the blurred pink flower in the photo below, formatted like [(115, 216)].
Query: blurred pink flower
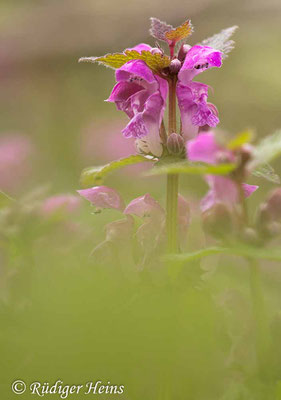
[(66, 203), (222, 189), (15, 165), (102, 142)]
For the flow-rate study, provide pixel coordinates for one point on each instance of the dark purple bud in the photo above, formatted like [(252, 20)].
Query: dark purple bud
[(175, 66), (217, 220), (175, 144), (183, 51)]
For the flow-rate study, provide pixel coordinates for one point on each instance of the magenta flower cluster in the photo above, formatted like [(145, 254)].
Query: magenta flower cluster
[(142, 95)]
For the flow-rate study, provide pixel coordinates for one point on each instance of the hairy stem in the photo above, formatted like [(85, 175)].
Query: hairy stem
[(172, 180), (172, 212), (172, 105)]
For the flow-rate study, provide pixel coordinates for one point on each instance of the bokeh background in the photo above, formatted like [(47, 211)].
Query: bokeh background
[(63, 317)]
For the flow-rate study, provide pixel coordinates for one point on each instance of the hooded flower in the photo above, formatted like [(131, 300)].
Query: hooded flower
[(142, 96), (192, 96), (222, 189), (103, 197)]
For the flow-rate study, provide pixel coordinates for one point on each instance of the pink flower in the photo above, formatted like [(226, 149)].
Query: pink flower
[(192, 96), (145, 206), (222, 189), (194, 109), (142, 96), (103, 197), (198, 59), (64, 202), (15, 152)]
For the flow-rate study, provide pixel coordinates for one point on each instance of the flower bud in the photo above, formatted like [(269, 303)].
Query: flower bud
[(217, 220), (175, 66), (175, 144), (156, 50), (250, 236), (183, 51)]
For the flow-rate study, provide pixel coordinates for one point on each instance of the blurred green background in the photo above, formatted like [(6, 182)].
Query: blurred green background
[(63, 315)]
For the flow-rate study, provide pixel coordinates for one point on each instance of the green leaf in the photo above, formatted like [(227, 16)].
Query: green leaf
[(156, 62), (240, 139), (267, 172), (243, 251), (267, 150), (193, 169), (94, 176)]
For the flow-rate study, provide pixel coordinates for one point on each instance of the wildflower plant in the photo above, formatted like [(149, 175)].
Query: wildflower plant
[(152, 87), (173, 125)]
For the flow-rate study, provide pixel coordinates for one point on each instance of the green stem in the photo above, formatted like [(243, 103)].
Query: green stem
[(172, 180), (262, 334), (172, 212)]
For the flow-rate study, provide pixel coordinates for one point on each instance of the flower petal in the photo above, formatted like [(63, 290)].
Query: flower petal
[(140, 47), (136, 71), (103, 197), (222, 190), (198, 59), (120, 230), (194, 109), (203, 148), (145, 206), (249, 189)]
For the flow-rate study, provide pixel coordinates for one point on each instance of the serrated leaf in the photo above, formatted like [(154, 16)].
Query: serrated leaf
[(243, 251), (267, 172), (159, 28), (115, 60), (240, 139), (267, 150), (94, 176), (155, 62), (220, 41), (193, 169), (179, 33)]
